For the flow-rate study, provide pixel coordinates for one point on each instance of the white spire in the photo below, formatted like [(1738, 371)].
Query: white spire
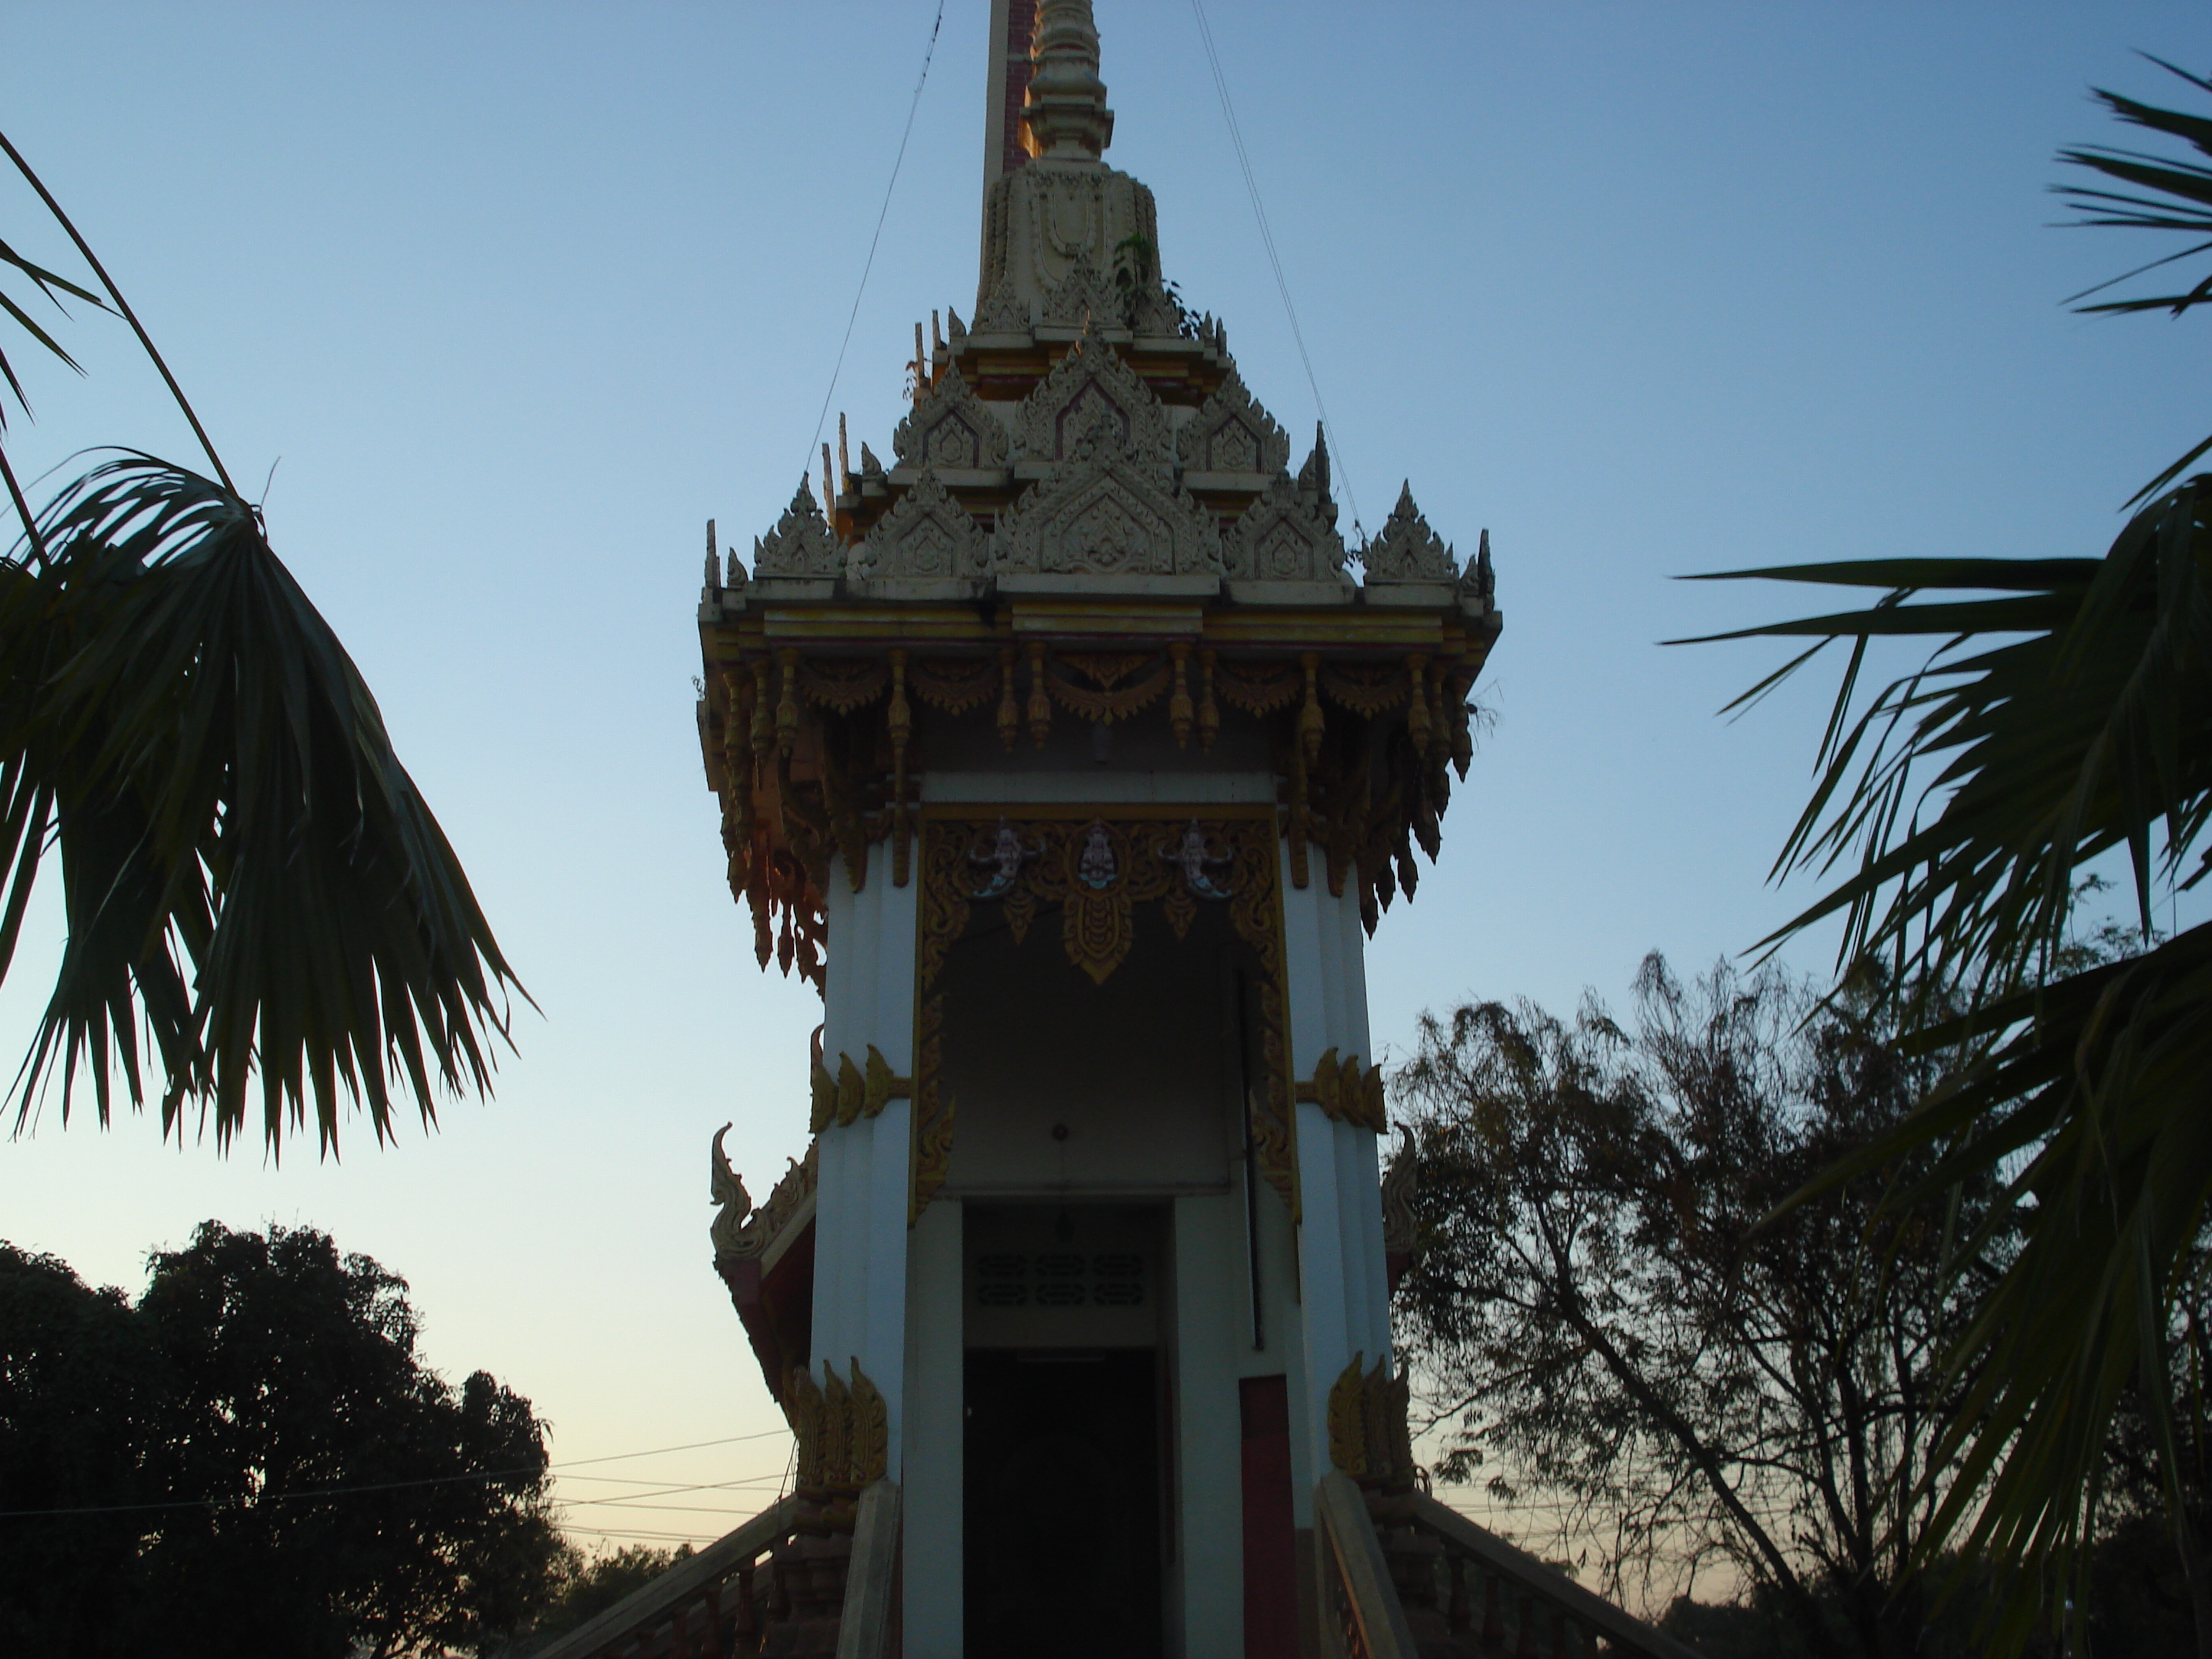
[(1067, 114)]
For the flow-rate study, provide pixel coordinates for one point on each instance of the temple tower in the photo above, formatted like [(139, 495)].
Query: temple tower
[(1063, 753)]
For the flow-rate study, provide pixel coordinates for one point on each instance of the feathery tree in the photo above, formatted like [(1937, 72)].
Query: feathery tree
[(250, 877)]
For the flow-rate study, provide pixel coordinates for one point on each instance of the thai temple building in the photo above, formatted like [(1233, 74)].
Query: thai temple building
[(1068, 750)]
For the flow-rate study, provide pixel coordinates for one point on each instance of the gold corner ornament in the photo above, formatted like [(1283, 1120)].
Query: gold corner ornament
[(1347, 1095), (845, 1097), (843, 1430), (1368, 1438)]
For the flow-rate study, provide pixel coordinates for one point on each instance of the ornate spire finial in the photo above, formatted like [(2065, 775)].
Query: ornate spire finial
[(1067, 114)]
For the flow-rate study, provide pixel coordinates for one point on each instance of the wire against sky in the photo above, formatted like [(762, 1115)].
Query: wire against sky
[(429, 1480), (807, 466), (1274, 260)]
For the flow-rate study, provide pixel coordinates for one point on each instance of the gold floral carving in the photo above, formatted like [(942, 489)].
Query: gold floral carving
[(1097, 872), (931, 1122), (869, 1439), (803, 1408), (1368, 1438), (852, 1089), (836, 1428), (822, 1088), (1345, 1094), (1347, 1418)]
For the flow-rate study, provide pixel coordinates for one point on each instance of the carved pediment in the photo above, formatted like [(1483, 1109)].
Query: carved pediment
[(951, 428), (801, 544), (1232, 434), (1407, 550), (1477, 583), (927, 536), (1004, 312), (1090, 388), (1283, 537), (1104, 513), (1081, 298)]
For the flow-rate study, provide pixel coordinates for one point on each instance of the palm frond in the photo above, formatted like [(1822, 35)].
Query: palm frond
[(2102, 1083), (2087, 726), (248, 869), (2164, 194)]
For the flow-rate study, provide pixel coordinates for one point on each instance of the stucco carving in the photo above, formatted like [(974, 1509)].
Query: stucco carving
[(1104, 512), (1283, 537), (950, 427), (1091, 381), (801, 544), (1085, 295), (1407, 550), (1232, 434), (928, 535), (1003, 311), (1477, 583)]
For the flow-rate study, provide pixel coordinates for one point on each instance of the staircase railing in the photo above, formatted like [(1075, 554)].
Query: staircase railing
[(1360, 1602), (823, 1577), (1408, 1570), (705, 1604)]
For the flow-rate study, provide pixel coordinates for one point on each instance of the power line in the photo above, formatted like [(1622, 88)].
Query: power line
[(657, 1451), (429, 1480), (923, 80), (1274, 260)]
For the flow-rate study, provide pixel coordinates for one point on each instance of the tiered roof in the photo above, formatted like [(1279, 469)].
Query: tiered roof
[(1086, 512)]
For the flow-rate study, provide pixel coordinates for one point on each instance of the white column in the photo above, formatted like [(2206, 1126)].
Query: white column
[(1212, 1335), (860, 1231), (936, 1456), (1345, 1302)]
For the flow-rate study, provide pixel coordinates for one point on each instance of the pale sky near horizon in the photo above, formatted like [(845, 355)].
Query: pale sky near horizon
[(520, 296)]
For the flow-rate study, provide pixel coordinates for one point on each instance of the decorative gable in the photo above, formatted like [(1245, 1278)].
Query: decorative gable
[(951, 428), (1106, 513), (926, 537), (1232, 434), (1083, 298), (1407, 550), (1285, 537), (800, 546), (1090, 386)]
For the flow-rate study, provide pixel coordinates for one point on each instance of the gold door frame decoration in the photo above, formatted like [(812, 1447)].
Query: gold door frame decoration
[(1098, 865)]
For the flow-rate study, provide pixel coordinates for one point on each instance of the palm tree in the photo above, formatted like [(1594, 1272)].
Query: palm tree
[(250, 878), (2065, 711)]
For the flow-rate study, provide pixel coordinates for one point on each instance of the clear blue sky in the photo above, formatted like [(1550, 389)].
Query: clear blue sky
[(521, 296)]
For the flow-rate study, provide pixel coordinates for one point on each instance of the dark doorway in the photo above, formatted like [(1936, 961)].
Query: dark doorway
[(1062, 1502)]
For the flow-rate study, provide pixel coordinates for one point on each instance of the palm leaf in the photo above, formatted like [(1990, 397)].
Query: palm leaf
[(222, 792), (2089, 728), (2164, 194)]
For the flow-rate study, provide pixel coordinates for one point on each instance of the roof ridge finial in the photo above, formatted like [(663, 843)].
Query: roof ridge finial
[(1067, 115)]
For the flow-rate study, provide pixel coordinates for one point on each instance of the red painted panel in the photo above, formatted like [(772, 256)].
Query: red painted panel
[(1271, 1596)]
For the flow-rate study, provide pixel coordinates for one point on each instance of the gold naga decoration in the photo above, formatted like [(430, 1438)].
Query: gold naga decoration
[(1097, 870), (740, 1232), (1347, 1095), (843, 1431), (1368, 1438)]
